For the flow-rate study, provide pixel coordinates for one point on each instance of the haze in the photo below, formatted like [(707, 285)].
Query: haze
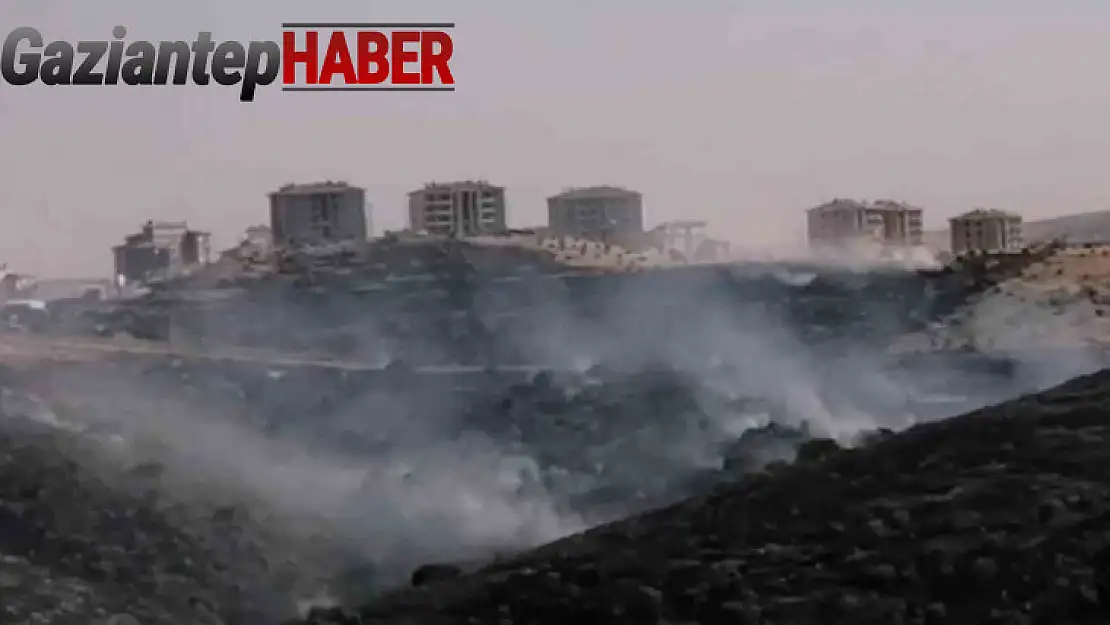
[(742, 113)]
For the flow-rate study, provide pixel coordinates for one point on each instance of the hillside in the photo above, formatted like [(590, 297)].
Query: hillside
[(1010, 501), (1061, 301)]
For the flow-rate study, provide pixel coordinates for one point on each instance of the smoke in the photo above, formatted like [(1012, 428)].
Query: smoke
[(1053, 332), (860, 255), (437, 490), (429, 498)]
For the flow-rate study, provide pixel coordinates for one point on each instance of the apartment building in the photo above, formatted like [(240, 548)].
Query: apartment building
[(597, 213), (843, 221), (986, 230), (160, 248), (318, 213), (459, 209)]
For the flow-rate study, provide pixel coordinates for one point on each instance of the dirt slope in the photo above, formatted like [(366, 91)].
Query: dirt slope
[(998, 516)]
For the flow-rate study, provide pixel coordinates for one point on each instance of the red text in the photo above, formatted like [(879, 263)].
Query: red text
[(397, 58)]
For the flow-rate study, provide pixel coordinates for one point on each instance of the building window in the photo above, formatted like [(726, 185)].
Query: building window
[(320, 212)]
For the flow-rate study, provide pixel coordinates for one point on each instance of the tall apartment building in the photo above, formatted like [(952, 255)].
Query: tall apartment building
[(460, 209), (596, 212), (884, 221), (318, 213), (986, 230)]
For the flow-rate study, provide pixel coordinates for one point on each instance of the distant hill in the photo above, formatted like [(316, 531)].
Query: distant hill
[(1080, 228)]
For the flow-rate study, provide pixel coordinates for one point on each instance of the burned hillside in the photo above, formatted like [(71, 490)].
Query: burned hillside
[(558, 402), (996, 516)]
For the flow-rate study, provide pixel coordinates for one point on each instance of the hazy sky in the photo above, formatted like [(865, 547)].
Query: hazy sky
[(742, 113)]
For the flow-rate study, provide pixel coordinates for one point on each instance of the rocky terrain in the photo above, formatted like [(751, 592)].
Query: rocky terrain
[(1001, 515), (1061, 300)]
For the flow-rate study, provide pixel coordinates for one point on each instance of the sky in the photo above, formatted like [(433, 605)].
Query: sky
[(742, 113)]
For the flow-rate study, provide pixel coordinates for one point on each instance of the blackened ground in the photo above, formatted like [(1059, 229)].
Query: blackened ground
[(74, 548), (1001, 515), (82, 538)]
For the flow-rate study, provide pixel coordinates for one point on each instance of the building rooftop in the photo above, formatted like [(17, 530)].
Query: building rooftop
[(160, 234), (838, 204), (456, 184), (880, 205), (599, 191), (892, 205), (327, 186), (985, 213), (168, 225)]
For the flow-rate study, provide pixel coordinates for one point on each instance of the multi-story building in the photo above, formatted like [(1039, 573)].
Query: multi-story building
[(684, 235), (986, 230), (883, 221), (259, 236), (459, 209), (318, 213), (597, 213), (160, 247)]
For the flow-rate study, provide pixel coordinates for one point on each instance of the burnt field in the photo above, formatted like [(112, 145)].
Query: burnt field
[(318, 485)]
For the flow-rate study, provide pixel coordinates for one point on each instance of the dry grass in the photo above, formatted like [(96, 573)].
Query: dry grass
[(1061, 302)]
